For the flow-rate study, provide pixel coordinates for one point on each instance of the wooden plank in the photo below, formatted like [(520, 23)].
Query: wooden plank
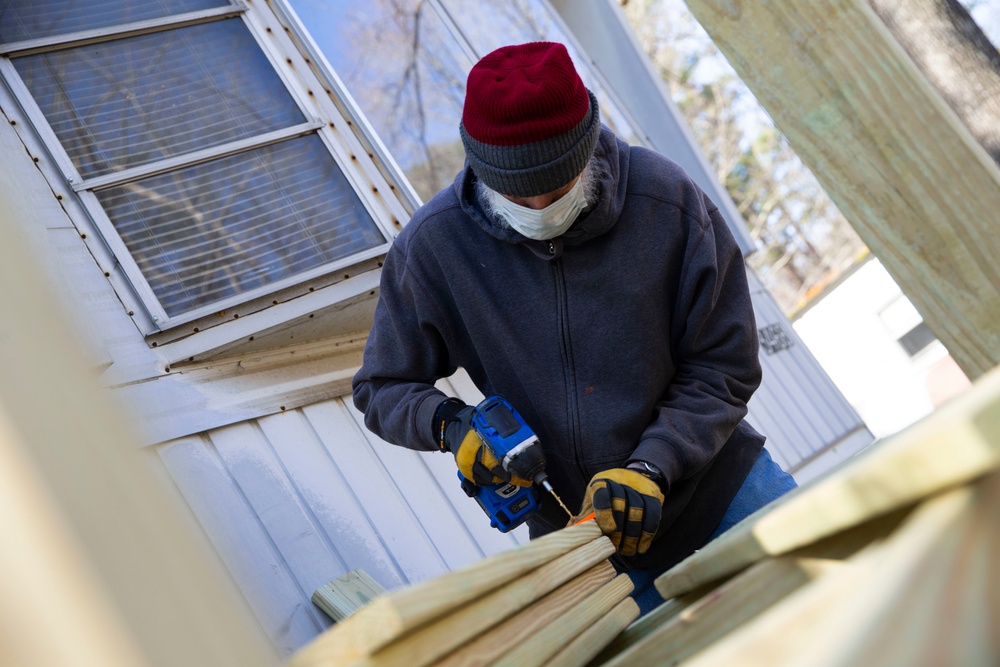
[(646, 625), (435, 640), (835, 548), (825, 619), (492, 644), (346, 594), (390, 617), (958, 442), (725, 608), (856, 109), (97, 566), (550, 639), (943, 611), (589, 643)]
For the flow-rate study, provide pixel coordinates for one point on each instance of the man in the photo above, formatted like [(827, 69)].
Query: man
[(596, 288)]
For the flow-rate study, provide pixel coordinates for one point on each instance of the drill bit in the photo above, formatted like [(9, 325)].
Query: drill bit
[(544, 482)]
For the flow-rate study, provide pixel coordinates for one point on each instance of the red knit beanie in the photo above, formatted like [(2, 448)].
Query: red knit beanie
[(529, 125)]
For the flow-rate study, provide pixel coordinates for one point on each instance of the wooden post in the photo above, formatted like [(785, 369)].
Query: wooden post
[(953, 446), (387, 618), (97, 567), (899, 164)]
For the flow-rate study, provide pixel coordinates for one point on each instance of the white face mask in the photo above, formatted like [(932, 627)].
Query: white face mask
[(545, 223)]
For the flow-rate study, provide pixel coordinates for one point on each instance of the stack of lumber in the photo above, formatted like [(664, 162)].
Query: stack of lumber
[(892, 559), (554, 601)]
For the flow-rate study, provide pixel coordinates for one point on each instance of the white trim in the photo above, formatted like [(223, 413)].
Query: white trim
[(196, 157), (249, 325), (346, 105), (199, 399), (303, 87)]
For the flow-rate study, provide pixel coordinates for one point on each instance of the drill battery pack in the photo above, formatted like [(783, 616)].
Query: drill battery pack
[(507, 505)]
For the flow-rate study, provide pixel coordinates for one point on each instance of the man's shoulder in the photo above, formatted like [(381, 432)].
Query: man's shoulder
[(653, 166), (432, 216)]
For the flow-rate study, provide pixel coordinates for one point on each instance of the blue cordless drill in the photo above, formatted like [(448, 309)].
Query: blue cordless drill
[(516, 446)]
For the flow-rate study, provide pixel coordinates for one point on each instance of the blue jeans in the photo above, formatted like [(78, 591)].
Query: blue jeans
[(765, 482)]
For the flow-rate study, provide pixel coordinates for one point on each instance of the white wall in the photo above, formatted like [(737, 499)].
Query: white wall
[(852, 338)]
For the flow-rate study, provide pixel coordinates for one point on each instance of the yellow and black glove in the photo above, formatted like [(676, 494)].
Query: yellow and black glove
[(475, 461), (627, 506)]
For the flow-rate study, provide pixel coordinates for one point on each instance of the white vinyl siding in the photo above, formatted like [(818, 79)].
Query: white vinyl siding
[(294, 500)]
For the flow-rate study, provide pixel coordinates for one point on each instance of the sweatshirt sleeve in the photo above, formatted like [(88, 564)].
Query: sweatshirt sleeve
[(714, 342), (404, 355)]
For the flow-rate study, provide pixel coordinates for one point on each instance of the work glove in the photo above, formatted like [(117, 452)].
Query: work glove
[(627, 506), (475, 461)]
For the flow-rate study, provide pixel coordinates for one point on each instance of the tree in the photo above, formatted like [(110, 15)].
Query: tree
[(955, 56), (802, 238)]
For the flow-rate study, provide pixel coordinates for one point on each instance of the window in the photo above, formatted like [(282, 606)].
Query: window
[(906, 325), (208, 175)]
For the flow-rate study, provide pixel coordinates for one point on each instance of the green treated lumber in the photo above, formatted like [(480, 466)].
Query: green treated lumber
[(724, 609), (642, 628), (957, 443), (492, 644), (944, 610), (389, 617), (590, 642), (550, 639), (835, 548), (899, 164), (433, 641), (823, 623), (346, 594)]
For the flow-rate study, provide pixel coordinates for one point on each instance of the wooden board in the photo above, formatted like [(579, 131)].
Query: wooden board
[(550, 639), (389, 617), (895, 159), (98, 566), (719, 612), (643, 627), (492, 644), (465, 623), (952, 446), (590, 642), (827, 618), (346, 594)]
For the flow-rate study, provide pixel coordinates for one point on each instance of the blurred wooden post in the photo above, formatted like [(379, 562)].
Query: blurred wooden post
[(903, 169), (97, 567)]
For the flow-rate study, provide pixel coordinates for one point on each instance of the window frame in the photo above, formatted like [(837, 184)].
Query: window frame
[(78, 198)]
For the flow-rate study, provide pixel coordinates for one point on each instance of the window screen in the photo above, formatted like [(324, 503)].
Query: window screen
[(32, 19), (140, 99), (232, 225), (202, 163)]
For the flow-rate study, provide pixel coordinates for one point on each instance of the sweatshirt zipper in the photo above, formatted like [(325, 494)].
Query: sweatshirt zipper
[(569, 377)]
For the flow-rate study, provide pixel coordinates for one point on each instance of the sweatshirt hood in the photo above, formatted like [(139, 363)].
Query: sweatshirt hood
[(611, 171)]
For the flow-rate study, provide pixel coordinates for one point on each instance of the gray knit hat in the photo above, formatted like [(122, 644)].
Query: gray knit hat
[(529, 125)]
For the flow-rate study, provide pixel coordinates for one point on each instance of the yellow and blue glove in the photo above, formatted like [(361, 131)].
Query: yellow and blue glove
[(475, 461), (627, 505)]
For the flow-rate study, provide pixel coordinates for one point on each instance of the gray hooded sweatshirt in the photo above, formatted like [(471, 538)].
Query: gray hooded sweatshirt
[(631, 336)]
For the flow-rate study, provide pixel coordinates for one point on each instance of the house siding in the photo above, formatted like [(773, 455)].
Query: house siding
[(293, 500)]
